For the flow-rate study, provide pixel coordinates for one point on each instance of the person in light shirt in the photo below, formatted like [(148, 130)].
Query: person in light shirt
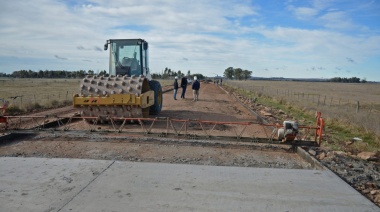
[(196, 86)]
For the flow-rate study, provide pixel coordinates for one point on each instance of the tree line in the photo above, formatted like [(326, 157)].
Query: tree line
[(51, 74), (240, 74), (237, 73), (348, 80), (168, 73)]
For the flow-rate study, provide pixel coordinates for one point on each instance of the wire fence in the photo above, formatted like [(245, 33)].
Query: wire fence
[(363, 114), (41, 100)]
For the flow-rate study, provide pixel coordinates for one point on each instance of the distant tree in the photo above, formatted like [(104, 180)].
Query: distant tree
[(20, 74), (347, 80), (199, 76), (229, 73), (179, 74), (165, 73), (40, 74), (169, 73), (156, 76), (238, 73), (81, 73), (188, 73), (246, 74), (103, 73), (32, 74)]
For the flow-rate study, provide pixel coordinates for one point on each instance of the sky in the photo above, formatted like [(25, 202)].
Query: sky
[(271, 38)]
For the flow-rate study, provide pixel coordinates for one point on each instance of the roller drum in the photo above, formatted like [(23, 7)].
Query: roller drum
[(100, 86)]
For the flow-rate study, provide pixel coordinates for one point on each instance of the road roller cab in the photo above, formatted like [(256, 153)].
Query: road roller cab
[(128, 91), (128, 57)]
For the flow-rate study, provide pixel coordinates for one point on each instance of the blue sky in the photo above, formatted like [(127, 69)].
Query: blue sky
[(271, 38)]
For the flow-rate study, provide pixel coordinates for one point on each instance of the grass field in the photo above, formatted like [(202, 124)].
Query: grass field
[(336, 93), (351, 110), (25, 92)]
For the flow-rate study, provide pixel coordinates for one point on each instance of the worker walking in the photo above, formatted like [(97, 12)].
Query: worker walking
[(183, 86), (196, 86), (175, 87)]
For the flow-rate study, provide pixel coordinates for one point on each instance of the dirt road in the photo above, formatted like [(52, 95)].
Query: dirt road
[(213, 104)]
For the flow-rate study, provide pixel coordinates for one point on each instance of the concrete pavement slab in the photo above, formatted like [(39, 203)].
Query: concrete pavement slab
[(36, 184), (128, 186), (41, 184)]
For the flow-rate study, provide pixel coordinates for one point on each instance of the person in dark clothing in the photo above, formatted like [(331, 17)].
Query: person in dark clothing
[(183, 86), (196, 86), (175, 87)]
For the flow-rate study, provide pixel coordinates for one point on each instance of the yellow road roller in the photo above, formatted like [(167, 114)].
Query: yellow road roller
[(128, 91)]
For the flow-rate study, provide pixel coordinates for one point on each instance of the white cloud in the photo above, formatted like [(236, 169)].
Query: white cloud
[(202, 36), (337, 21), (304, 12)]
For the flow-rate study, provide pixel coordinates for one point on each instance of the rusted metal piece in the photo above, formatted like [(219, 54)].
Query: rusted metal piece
[(3, 109), (320, 125), (164, 126)]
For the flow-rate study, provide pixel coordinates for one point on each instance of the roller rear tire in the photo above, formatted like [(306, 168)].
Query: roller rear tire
[(156, 87)]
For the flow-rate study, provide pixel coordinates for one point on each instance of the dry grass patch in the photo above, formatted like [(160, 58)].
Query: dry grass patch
[(336, 101), (29, 94)]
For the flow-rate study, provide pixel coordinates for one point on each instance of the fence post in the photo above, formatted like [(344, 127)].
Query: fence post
[(319, 96), (331, 101), (357, 107), (324, 101), (67, 93)]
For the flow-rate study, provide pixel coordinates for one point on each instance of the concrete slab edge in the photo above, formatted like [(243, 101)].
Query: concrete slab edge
[(313, 162)]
